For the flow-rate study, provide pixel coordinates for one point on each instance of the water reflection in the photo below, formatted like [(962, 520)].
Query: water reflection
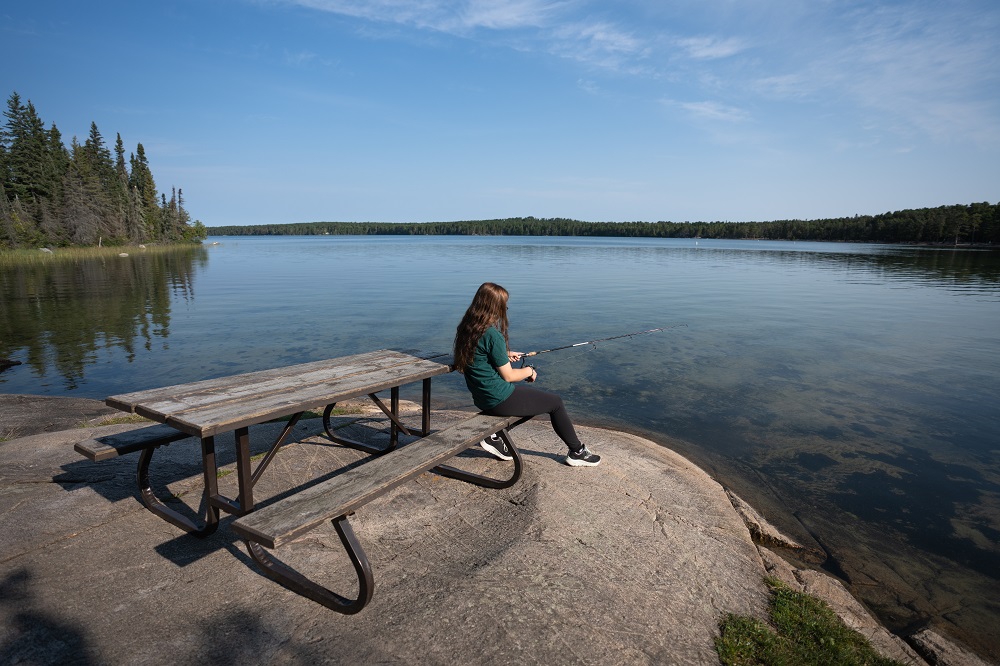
[(57, 314), (960, 270)]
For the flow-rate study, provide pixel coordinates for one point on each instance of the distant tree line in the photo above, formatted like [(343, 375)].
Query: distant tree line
[(959, 224), (51, 195)]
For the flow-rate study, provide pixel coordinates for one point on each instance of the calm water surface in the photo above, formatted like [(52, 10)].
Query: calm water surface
[(850, 392)]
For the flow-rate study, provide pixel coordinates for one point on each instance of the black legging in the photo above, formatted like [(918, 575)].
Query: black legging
[(528, 401)]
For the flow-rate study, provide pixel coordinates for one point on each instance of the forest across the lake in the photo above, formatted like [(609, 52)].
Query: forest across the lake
[(977, 223)]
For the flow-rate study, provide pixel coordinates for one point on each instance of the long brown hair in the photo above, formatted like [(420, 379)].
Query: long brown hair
[(488, 308)]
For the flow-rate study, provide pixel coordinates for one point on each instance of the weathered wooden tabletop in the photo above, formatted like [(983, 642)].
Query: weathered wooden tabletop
[(213, 406)]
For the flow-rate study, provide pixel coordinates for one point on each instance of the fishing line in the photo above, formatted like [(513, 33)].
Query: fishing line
[(593, 343), (565, 357)]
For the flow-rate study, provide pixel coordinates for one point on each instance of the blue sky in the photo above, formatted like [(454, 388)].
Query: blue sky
[(271, 111)]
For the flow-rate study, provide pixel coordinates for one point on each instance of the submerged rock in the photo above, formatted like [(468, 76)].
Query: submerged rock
[(940, 651)]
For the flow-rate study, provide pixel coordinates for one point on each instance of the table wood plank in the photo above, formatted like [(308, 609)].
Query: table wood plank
[(128, 401), (296, 378), (251, 409)]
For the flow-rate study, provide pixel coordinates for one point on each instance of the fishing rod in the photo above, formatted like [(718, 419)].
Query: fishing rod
[(594, 342)]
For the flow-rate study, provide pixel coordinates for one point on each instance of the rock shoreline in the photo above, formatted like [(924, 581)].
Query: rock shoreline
[(662, 551)]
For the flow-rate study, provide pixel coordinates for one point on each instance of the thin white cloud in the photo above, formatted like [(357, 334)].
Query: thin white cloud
[(597, 43), (936, 71), (450, 16), (300, 58), (715, 111), (505, 15), (603, 37), (910, 69), (711, 48), (783, 86), (917, 67), (551, 26)]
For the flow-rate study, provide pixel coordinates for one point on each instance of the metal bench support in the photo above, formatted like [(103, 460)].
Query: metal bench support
[(395, 426), (296, 582), (300, 584), (485, 481)]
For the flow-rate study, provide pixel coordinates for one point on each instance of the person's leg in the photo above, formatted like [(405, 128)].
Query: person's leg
[(529, 401)]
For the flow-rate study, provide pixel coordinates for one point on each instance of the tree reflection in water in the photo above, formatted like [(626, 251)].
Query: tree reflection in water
[(55, 313)]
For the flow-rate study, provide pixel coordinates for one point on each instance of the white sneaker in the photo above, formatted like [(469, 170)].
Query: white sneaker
[(496, 447), (583, 458)]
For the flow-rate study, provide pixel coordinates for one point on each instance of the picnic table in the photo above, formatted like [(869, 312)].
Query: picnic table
[(207, 408), (211, 407)]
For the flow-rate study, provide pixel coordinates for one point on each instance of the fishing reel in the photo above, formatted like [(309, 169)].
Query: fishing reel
[(524, 364)]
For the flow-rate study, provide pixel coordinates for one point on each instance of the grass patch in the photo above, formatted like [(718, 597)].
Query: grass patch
[(805, 631), (23, 257), (317, 413), (346, 411)]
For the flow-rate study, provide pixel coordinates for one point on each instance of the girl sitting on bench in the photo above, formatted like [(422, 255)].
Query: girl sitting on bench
[(481, 354)]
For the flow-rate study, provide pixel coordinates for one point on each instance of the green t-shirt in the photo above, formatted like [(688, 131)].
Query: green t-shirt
[(488, 388)]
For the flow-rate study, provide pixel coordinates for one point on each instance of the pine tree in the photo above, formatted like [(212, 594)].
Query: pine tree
[(141, 180), (124, 196), (25, 155), (78, 215), (97, 153), (120, 170), (58, 163), (8, 131), (26, 145)]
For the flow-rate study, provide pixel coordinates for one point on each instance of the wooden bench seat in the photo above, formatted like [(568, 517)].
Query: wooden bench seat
[(338, 497), (130, 441)]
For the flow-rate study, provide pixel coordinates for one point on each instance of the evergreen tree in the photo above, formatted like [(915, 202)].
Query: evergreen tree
[(141, 181), (8, 132), (58, 162), (125, 197), (26, 144), (99, 157), (120, 169)]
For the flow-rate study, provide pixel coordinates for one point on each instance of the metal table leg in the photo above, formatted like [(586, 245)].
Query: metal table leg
[(199, 529)]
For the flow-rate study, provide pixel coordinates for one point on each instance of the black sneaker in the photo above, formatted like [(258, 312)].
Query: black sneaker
[(496, 447), (583, 458)]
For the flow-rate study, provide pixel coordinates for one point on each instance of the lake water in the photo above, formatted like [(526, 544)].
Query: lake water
[(850, 392)]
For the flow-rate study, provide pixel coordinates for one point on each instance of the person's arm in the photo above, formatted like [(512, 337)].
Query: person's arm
[(512, 374)]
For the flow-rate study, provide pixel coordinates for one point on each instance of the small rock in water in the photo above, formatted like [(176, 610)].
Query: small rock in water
[(123, 254)]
